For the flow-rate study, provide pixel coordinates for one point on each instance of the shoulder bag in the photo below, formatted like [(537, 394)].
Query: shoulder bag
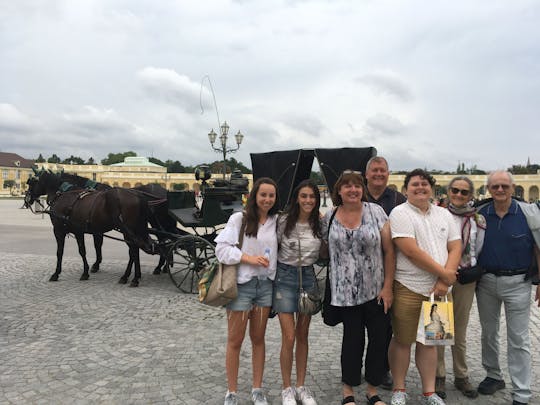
[(330, 313), (309, 303), (217, 286)]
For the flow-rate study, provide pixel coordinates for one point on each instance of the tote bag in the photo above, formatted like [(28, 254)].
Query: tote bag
[(436, 323)]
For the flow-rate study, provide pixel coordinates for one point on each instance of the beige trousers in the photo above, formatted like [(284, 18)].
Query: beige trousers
[(462, 296)]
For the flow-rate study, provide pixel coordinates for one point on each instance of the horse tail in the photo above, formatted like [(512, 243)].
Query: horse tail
[(130, 216)]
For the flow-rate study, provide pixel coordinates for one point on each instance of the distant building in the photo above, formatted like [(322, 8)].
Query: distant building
[(136, 170), (14, 168)]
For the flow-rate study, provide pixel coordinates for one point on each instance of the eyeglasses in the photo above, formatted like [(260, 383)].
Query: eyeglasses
[(461, 191), (497, 186)]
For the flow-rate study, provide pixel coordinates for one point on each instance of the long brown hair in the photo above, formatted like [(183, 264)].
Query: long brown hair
[(293, 210), (252, 213)]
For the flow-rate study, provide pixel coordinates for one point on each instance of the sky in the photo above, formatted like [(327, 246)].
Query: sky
[(430, 84)]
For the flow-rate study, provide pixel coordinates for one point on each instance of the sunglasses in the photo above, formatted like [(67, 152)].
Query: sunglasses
[(461, 191), (348, 171), (497, 186)]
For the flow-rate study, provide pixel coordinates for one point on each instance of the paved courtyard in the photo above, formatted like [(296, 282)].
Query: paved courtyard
[(99, 342)]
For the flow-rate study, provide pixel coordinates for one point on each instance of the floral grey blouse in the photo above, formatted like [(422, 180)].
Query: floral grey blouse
[(356, 257)]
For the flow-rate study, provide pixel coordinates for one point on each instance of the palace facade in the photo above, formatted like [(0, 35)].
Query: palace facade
[(136, 171)]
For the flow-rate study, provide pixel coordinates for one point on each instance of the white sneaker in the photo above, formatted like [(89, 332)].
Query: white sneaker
[(304, 394), (258, 397), (399, 398), (231, 398), (287, 396), (433, 399)]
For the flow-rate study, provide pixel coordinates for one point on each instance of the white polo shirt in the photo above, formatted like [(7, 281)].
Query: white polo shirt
[(432, 231)]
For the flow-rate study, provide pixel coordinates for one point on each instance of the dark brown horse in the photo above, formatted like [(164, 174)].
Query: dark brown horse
[(164, 226), (80, 211)]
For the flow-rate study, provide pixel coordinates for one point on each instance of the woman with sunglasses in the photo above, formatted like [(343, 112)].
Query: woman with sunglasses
[(299, 237), (472, 225), (361, 273)]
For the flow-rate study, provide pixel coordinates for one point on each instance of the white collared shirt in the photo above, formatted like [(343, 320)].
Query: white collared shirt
[(227, 251), (432, 231)]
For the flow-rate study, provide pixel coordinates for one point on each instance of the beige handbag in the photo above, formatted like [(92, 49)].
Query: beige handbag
[(223, 287)]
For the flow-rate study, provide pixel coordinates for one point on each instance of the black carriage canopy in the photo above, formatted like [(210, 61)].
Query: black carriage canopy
[(289, 167)]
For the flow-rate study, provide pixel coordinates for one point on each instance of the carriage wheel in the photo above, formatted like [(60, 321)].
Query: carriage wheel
[(187, 258)]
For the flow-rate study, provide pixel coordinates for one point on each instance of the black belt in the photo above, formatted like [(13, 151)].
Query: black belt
[(506, 272)]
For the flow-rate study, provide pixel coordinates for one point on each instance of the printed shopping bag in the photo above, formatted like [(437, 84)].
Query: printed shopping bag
[(436, 323)]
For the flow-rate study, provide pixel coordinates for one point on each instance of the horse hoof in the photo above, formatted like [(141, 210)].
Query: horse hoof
[(54, 277), (122, 280), (94, 269), (84, 277), (156, 272), (134, 284)]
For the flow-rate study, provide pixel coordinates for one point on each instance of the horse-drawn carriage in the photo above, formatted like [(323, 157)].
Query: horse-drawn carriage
[(188, 249)]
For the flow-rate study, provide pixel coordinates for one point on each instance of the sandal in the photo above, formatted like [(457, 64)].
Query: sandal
[(374, 399), (348, 400)]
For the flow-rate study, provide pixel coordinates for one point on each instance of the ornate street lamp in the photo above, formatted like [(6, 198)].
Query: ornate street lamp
[(239, 137)]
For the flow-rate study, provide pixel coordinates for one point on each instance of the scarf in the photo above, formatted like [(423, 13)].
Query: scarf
[(467, 213)]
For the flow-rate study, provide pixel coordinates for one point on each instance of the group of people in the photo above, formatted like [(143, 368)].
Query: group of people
[(387, 253)]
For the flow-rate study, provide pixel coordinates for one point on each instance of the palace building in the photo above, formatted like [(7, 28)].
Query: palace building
[(136, 171)]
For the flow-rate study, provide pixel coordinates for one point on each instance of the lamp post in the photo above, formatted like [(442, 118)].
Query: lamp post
[(223, 141)]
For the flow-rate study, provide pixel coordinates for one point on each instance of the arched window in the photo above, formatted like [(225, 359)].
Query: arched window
[(533, 194), (519, 192)]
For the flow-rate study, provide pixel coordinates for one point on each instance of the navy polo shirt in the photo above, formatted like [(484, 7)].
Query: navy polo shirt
[(508, 242), (388, 200)]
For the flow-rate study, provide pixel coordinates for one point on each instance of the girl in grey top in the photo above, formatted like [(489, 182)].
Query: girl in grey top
[(299, 237)]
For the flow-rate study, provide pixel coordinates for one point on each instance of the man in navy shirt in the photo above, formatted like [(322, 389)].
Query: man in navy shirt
[(377, 185), (508, 253), (379, 193)]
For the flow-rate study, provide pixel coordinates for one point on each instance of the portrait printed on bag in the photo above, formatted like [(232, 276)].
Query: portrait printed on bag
[(438, 321)]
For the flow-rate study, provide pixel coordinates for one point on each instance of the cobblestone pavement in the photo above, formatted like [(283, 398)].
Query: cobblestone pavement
[(99, 342)]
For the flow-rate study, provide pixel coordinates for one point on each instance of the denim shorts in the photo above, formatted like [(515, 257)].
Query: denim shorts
[(253, 293), (286, 288)]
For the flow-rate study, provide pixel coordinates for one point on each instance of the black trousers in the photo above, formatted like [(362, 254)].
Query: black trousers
[(356, 320)]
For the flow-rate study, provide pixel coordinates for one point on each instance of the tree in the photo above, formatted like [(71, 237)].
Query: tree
[(113, 158), (174, 167), (54, 159), (317, 178), (156, 161), (519, 169), (90, 161), (73, 160), (40, 159), (9, 184), (235, 164)]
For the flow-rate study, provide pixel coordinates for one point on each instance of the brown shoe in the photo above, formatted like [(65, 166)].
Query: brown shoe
[(440, 386), (465, 387)]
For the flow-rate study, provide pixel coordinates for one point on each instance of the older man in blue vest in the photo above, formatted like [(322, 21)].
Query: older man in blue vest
[(509, 253)]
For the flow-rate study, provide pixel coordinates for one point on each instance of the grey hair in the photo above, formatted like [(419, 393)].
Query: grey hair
[(376, 159), (491, 174), (465, 179)]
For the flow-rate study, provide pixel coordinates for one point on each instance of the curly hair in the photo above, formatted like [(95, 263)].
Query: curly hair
[(252, 212), (420, 173), (293, 210)]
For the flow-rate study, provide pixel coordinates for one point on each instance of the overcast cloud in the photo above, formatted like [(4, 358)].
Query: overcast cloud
[(427, 83)]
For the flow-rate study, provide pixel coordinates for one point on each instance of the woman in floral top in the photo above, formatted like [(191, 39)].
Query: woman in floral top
[(362, 265)]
